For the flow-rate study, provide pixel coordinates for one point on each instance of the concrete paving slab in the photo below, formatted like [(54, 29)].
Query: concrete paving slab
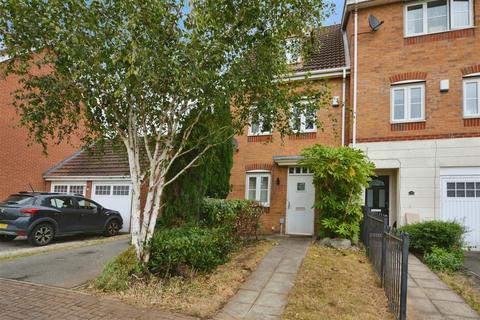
[(264, 295), (445, 295), (458, 309)]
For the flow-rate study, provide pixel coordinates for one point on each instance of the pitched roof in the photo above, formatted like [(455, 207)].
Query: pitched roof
[(83, 163), (329, 50)]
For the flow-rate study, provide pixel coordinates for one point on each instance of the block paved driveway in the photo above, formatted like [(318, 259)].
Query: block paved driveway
[(27, 301)]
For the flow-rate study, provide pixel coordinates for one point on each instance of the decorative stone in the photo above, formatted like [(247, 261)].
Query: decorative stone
[(325, 242), (340, 243)]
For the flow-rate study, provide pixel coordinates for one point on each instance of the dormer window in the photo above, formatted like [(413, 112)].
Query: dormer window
[(292, 51), (437, 16)]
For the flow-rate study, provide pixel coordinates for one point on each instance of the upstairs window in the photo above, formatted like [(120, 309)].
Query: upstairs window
[(303, 122), (408, 102), (437, 16), (292, 51), (259, 128), (471, 105)]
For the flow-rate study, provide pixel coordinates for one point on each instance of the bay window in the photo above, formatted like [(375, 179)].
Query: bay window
[(437, 16), (258, 187), (471, 107), (408, 102)]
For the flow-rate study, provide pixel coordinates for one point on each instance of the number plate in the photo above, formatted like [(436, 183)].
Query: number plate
[(3, 226)]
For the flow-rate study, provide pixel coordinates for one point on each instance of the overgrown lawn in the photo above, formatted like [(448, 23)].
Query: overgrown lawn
[(336, 284), (199, 295)]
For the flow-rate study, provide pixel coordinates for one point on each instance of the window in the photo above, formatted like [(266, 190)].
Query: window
[(437, 16), (20, 199), (471, 106), (259, 128), (408, 103), (102, 190), (304, 121), (60, 203), (77, 189), (463, 189), (299, 171), (121, 190), (74, 189), (60, 189), (292, 51), (258, 188), (86, 205)]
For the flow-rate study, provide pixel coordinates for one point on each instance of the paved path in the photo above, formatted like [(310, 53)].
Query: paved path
[(26, 301), (430, 298), (264, 295), (472, 262), (67, 268)]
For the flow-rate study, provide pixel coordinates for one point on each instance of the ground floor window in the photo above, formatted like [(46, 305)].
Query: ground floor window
[(258, 187)]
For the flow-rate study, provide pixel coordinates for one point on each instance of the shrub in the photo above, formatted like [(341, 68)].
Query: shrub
[(340, 174), (116, 274), (424, 236), (240, 217), (440, 259), (178, 250)]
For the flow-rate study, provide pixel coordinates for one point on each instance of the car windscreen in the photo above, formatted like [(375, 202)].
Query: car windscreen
[(19, 199)]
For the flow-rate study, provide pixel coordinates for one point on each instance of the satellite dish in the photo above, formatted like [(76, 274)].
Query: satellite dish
[(373, 22)]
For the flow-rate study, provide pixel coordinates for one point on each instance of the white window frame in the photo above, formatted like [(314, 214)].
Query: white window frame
[(471, 79), (288, 55), (425, 18), (407, 103), (259, 133), (69, 185), (303, 122), (259, 175)]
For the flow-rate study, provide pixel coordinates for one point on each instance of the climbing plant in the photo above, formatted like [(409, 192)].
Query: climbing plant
[(340, 175)]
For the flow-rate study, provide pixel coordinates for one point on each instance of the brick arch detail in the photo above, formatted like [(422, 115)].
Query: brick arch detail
[(417, 75), (259, 166), (471, 69)]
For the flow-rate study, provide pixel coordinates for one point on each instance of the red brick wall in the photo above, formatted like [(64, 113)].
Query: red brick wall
[(387, 55), (255, 154), (21, 164)]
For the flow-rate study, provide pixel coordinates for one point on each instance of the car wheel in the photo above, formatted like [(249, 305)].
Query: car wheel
[(41, 235), (6, 237), (112, 228)]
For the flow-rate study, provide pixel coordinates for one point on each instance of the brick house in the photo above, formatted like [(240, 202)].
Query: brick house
[(266, 169), (417, 107), (22, 165), (405, 91)]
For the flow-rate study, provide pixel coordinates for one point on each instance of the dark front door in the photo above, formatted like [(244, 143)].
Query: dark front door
[(376, 195)]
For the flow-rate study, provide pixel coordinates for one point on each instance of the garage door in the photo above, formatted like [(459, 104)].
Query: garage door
[(461, 203), (116, 196)]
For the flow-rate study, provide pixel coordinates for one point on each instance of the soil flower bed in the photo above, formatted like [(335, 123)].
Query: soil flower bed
[(200, 295)]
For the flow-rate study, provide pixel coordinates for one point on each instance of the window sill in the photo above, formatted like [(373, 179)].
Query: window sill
[(303, 136), (471, 121), (407, 121), (438, 36)]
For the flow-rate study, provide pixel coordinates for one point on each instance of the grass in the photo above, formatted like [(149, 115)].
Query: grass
[(200, 295), (465, 285), (336, 284)]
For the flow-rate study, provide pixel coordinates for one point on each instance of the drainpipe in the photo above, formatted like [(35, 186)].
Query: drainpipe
[(355, 71), (343, 105)]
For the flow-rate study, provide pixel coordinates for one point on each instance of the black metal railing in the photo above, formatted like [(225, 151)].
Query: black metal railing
[(387, 250)]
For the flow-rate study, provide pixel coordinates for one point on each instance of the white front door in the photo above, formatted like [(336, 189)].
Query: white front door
[(115, 195), (461, 203), (300, 200)]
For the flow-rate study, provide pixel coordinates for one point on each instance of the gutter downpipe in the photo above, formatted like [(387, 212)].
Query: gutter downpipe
[(343, 105), (355, 72)]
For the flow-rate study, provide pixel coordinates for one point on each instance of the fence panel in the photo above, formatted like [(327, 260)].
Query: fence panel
[(387, 251)]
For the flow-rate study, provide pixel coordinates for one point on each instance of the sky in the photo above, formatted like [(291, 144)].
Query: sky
[(337, 16)]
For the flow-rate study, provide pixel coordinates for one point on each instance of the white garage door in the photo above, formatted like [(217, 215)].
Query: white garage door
[(461, 203), (115, 196)]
